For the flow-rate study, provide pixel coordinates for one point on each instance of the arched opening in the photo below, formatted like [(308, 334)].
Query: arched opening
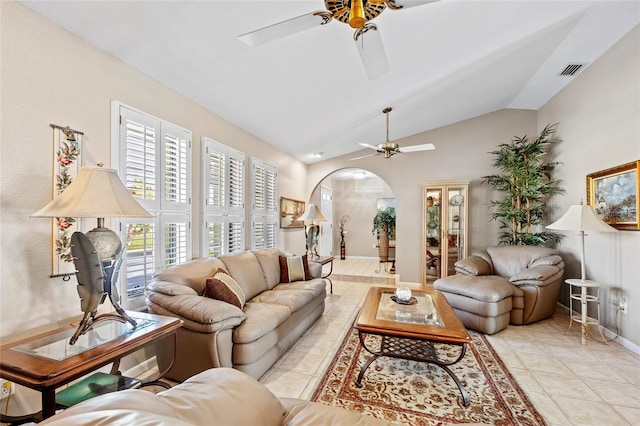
[(350, 197)]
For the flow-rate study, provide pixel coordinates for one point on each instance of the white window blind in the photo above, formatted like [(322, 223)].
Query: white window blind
[(223, 211), (153, 157), (264, 211)]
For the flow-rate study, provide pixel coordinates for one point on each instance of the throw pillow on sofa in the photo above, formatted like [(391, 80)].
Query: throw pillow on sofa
[(294, 268), (222, 287)]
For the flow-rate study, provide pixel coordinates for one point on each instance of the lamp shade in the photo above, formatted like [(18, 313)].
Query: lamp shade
[(312, 213), (581, 218), (95, 192)]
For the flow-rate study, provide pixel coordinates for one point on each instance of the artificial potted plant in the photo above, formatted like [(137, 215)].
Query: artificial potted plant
[(525, 178), (384, 224)]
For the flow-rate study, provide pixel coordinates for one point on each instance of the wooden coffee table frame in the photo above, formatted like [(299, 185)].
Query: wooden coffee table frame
[(45, 375), (410, 341)]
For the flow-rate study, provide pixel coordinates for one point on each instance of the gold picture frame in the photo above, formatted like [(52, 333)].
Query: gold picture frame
[(613, 193), (290, 210)]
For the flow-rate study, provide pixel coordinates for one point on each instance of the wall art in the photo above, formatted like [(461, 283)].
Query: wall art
[(290, 210), (66, 165), (613, 193)]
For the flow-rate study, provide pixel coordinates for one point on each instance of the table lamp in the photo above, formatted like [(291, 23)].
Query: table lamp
[(312, 213), (97, 255), (583, 219)]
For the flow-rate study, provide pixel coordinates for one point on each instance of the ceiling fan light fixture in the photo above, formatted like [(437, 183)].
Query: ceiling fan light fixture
[(356, 14)]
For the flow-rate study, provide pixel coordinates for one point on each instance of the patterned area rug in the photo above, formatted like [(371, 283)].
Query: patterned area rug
[(417, 393)]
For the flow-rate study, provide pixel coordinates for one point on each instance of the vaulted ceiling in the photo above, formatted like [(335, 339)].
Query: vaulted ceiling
[(306, 93)]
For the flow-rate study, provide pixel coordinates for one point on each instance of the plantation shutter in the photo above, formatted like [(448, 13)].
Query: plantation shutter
[(223, 210), (140, 260), (153, 157), (138, 162), (176, 163), (264, 212), (176, 240)]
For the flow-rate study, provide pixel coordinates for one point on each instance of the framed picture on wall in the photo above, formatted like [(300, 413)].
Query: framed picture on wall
[(290, 210), (613, 193)]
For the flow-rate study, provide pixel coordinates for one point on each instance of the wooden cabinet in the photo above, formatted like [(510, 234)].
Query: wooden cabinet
[(444, 229)]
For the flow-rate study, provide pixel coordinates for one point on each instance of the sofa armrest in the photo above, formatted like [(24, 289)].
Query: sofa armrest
[(171, 288), (540, 276), (315, 268), (473, 265), (199, 313)]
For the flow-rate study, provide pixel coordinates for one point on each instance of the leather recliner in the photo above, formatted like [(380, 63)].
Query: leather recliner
[(504, 285)]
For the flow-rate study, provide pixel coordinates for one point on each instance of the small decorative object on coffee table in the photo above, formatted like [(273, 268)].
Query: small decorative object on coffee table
[(409, 331)]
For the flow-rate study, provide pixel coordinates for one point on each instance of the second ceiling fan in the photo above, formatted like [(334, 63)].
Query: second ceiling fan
[(356, 13), (389, 148)]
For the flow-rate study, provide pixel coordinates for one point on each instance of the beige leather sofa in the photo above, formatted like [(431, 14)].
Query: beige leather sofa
[(219, 334), (504, 285), (220, 396)]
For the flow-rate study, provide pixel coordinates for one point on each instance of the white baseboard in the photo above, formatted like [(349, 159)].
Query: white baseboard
[(611, 335), (358, 257)]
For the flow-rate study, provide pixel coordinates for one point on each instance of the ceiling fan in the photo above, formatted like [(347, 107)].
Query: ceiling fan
[(391, 148), (356, 13)]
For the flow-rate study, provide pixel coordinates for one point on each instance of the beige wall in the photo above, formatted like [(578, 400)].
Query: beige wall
[(461, 154), (52, 76), (599, 116), (357, 198)]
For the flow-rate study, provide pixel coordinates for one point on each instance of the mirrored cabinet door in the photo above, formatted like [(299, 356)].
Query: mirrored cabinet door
[(444, 227)]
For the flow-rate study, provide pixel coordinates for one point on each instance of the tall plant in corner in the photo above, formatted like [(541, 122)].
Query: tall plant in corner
[(525, 178)]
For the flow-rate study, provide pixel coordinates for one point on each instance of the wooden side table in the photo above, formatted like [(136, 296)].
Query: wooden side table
[(585, 298), (46, 361)]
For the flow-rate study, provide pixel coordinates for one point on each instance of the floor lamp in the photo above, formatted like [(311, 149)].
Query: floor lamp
[(583, 219), (312, 213), (97, 255)]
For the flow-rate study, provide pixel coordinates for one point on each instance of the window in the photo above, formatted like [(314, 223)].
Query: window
[(264, 212), (153, 157), (223, 195)]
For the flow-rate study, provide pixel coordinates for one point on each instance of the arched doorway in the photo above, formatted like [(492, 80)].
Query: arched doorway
[(351, 196)]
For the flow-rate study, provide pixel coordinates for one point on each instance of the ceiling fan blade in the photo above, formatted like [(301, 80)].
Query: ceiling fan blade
[(414, 148), (405, 4), (363, 156), (366, 145), (371, 50), (285, 28)]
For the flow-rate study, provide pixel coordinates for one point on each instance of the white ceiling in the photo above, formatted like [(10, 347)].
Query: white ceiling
[(450, 60)]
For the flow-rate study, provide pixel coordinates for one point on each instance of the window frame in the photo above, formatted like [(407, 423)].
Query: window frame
[(230, 214), (167, 212)]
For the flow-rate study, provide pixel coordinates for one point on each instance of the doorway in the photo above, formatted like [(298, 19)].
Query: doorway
[(326, 228)]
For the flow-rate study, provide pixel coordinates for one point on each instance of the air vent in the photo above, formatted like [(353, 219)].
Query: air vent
[(572, 69)]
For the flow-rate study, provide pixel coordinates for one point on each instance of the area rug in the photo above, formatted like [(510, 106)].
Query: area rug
[(417, 393)]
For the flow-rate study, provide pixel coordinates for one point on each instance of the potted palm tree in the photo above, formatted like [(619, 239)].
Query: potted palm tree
[(526, 180), (384, 224)]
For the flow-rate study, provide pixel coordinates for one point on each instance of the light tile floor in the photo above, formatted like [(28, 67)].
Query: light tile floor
[(570, 384)]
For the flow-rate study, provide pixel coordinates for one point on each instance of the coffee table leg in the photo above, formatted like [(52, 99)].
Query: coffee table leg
[(363, 369), (463, 391)]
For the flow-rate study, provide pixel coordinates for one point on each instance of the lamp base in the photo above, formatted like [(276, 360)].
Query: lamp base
[(95, 279)]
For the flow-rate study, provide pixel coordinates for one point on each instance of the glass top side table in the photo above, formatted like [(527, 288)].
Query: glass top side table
[(585, 298)]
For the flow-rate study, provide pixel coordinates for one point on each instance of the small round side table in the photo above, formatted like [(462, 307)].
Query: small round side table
[(585, 298)]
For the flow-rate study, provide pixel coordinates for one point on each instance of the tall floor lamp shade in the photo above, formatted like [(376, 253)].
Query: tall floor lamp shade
[(583, 219), (312, 214), (97, 255)]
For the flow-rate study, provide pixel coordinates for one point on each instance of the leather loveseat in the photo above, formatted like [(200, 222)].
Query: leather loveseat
[(249, 337), (220, 396), (504, 285)]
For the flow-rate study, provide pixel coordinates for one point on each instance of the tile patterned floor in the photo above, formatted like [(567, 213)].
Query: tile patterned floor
[(570, 384)]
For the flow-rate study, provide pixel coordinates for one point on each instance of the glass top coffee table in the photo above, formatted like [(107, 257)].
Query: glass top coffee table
[(410, 331)]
